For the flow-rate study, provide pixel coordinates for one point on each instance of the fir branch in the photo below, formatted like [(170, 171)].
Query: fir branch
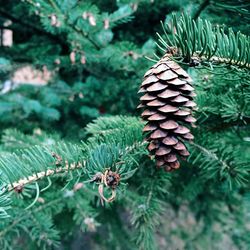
[(22, 168), (47, 173), (211, 155), (187, 39), (34, 163), (221, 163)]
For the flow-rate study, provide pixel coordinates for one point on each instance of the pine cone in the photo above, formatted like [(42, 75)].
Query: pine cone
[(168, 102)]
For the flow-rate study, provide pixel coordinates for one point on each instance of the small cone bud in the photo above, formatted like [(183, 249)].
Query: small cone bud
[(83, 59), (85, 15), (92, 20), (57, 61), (134, 6), (106, 24), (72, 57), (58, 24), (53, 20)]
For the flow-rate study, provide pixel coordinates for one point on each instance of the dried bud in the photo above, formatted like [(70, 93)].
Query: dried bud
[(57, 61), (195, 61), (7, 37), (113, 179), (80, 95), (97, 177), (92, 20), (85, 15), (206, 78), (78, 186), (90, 224), (72, 57), (19, 189), (72, 98), (134, 6), (7, 23), (106, 24), (58, 24), (83, 59), (53, 20), (40, 200), (133, 55), (37, 131), (58, 159)]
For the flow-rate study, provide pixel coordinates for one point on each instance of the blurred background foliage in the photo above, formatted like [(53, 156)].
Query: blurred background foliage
[(85, 71)]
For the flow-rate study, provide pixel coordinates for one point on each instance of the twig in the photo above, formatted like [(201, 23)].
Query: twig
[(43, 174), (201, 8)]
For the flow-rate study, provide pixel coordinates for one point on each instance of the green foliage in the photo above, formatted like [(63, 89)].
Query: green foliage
[(4, 203), (31, 161), (199, 38), (105, 129)]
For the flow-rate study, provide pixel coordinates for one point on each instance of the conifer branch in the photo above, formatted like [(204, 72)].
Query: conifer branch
[(34, 163), (190, 40), (211, 155), (43, 174)]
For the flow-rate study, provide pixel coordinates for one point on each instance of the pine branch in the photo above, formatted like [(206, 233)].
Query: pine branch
[(34, 163), (187, 39), (220, 163), (47, 173), (94, 160)]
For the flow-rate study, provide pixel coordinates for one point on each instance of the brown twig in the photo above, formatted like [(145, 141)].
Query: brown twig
[(40, 175)]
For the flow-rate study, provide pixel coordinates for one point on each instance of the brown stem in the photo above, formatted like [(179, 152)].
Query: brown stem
[(43, 174)]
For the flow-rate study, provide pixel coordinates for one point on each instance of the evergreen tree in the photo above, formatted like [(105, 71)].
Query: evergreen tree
[(75, 172)]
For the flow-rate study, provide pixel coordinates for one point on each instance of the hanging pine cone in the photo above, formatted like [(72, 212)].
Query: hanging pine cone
[(168, 104)]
